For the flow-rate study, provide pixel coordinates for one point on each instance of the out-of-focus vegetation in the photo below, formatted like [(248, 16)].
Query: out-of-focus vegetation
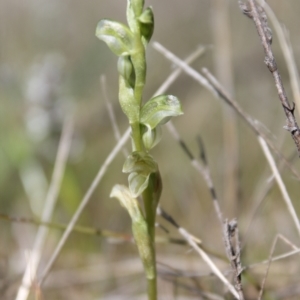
[(50, 65)]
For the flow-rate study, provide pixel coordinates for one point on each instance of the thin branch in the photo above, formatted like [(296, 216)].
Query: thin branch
[(115, 236), (111, 236), (280, 183), (36, 252), (278, 236), (232, 244), (288, 54), (184, 66), (259, 199), (208, 261), (267, 270), (258, 15), (215, 87), (203, 170), (174, 276), (175, 74), (222, 59), (209, 182), (223, 94), (275, 258), (83, 204), (194, 242)]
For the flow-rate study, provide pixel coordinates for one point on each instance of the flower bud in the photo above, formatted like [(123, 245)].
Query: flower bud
[(146, 20), (125, 69), (136, 6), (117, 36), (159, 110), (152, 137)]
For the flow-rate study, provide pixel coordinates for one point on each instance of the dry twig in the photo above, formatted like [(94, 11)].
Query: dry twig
[(35, 255), (223, 66), (232, 245), (215, 87), (255, 12), (280, 183), (224, 95), (261, 196), (288, 54), (83, 204), (278, 236), (203, 170), (194, 242)]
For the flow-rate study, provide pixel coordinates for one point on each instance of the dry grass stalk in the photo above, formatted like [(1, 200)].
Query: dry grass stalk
[(203, 170), (212, 84), (278, 236), (194, 243), (280, 183), (83, 204), (288, 54), (256, 12), (35, 254), (223, 67), (233, 250)]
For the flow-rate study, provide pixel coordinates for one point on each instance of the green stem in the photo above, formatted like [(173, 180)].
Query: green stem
[(152, 289), (136, 136), (138, 59), (150, 210), (139, 62)]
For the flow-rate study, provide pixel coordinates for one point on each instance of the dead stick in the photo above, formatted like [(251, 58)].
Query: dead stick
[(258, 15)]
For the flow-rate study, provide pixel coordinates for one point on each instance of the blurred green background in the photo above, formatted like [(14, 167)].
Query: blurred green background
[(50, 65)]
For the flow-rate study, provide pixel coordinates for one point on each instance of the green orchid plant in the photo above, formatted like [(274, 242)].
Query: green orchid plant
[(129, 43)]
